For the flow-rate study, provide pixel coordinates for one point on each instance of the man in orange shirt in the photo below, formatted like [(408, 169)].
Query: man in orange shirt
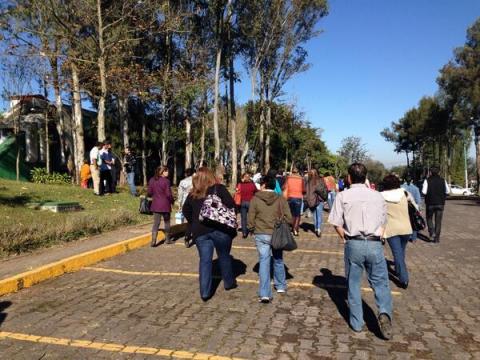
[(293, 191)]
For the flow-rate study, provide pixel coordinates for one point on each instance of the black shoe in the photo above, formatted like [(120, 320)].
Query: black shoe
[(318, 233), (245, 236), (404, 285), (187, 243), (234, 286), (385, 326)]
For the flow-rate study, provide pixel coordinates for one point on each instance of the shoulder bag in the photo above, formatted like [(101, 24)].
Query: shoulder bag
[(416, 219), (282, 238), (144, 207), (214, 213)]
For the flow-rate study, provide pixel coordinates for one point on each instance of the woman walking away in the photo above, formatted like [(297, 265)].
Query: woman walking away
[(247, 190), (265, 208), (315, 196), (398, 229), (208, 238), (162, 200), (293, 192)]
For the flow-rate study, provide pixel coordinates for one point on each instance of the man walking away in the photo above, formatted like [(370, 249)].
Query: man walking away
[(129, 166), (435, 189), (359, 215), (95, 163)]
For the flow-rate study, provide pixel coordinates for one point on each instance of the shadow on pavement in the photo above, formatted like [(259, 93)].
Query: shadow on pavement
[(307, 227), (335, 286), (288, 276), (3, 306), (239, 268), (13, 201), (423, 237)]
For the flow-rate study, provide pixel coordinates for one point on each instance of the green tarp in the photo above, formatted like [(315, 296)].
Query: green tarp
[(8, 158)]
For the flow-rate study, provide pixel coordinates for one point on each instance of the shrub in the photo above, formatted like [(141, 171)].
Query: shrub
[(41, 176)]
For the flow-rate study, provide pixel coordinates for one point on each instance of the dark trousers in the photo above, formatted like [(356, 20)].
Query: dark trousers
[(222, 243), (435, 229), (243, 215), (105, 177)]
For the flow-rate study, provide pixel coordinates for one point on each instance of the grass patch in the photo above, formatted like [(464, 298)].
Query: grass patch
[(24, 229)]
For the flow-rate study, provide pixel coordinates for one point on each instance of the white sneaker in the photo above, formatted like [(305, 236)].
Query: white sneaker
[(281, 291), (264, 300)]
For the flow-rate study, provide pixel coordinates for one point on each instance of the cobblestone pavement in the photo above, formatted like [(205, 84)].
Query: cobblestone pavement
[(147, 302)]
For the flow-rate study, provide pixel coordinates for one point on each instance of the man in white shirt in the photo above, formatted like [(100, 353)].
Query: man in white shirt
[(95, 163)]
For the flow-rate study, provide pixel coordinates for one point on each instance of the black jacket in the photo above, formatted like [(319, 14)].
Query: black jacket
[(191, 210), (435, 191)]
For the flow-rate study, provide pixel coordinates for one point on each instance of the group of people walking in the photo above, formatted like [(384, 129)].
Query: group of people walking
[(364, 219)]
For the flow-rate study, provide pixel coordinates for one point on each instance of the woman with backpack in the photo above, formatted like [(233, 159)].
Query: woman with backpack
[(315, 196), (207, 236), (266, 208), (162, 200)]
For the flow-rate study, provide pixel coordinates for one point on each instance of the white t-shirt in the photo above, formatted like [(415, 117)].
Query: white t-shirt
[(94, 156)]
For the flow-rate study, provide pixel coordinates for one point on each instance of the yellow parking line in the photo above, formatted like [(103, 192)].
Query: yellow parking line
[(245, 281), (122, 348), (299, 251)]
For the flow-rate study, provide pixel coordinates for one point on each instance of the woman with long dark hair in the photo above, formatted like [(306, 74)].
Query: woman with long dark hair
[(162, 200), (206, 237), (315, 197)]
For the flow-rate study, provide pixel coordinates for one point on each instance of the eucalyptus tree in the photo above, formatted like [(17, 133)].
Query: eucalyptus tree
[(275, 32)]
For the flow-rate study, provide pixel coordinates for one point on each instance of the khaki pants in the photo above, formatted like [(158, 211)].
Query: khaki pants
[(96, 179)]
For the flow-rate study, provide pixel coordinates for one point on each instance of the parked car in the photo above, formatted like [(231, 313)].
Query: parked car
[(458, 190)]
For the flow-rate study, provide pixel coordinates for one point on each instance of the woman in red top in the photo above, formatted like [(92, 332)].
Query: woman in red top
[(247, 190)]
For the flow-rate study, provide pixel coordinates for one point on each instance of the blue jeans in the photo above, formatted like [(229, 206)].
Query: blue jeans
[(265, 253), (205, 244), (398, 245), (318, 216), (331, 199), (131, 182), (243, 215), (368, 255), (295, 206)]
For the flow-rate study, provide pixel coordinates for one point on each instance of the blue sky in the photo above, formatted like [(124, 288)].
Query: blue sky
[(373, 62)]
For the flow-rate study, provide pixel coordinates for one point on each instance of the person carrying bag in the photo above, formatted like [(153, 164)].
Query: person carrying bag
[(263, 220)]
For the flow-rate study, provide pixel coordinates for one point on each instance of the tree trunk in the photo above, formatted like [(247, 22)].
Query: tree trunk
[(242, 158), (268, 125), (233, 116), (408, 159), (261, 141), (79, 144), (175, 173), (202, 141), (102, 75), (47, 130), (124, 119), (215, 105), (164, 130), (144, 155), (188, 143), (476, 130), (59, 110)]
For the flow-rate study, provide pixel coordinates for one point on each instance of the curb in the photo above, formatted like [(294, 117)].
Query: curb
[(76, 262)]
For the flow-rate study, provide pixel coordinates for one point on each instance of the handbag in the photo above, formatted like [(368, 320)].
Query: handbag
[(214, 213), (416, 219), (144, 207), (237, 197), (282, 238)]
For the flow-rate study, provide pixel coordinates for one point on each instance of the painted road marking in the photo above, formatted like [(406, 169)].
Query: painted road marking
[(244, 281), (122, 348), (306, 251)]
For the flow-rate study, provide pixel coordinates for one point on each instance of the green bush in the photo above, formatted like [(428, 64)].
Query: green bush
[(41, 176)]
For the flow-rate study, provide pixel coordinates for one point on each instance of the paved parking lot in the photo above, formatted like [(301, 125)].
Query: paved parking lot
[(146, 304)]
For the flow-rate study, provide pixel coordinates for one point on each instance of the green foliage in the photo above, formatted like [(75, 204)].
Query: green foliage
[(41, 176)]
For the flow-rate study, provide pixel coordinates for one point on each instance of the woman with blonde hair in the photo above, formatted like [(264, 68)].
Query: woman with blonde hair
[(206, 237), (162, 200)]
